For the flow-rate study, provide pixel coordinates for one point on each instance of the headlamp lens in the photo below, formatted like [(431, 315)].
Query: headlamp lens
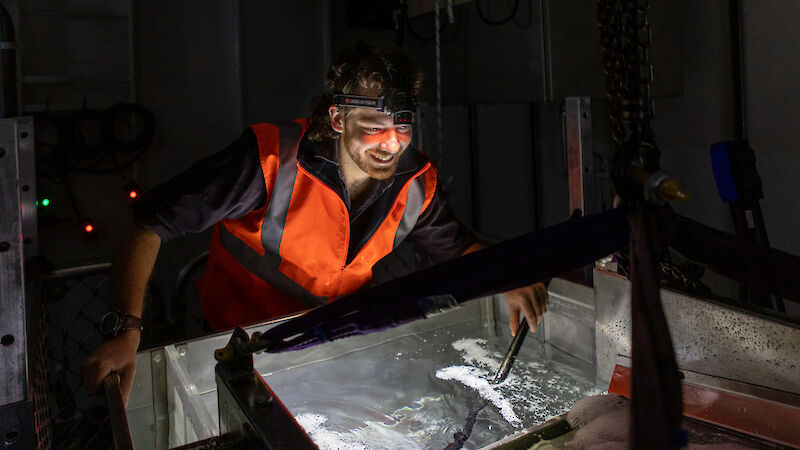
[(404, 117)]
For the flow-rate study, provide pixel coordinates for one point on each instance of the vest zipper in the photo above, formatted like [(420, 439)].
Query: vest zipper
[(344, 262), (347, 229)]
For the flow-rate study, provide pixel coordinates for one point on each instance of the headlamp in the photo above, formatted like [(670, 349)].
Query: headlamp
[(401, 105)]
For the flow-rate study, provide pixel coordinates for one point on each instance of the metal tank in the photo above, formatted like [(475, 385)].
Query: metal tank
[(413, 386)]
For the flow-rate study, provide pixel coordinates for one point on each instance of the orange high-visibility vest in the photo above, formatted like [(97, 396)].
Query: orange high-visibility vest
[(291, 254)]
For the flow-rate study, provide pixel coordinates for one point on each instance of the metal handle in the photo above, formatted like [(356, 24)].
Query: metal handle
[(513, 349), (511, 354), (116, 413)]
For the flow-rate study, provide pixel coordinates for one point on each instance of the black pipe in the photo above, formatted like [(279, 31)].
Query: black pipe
[(737, 70), (512, 352), (747, 217), (8, 66)]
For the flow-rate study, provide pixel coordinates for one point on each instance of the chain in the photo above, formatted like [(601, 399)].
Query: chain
[(686, 277), (672, 274), (625, 40), (610, 43)]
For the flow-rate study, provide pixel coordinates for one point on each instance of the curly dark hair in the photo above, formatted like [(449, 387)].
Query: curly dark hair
[(362, 67)]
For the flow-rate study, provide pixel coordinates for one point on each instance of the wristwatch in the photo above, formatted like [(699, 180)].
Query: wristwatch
[(115, 322)]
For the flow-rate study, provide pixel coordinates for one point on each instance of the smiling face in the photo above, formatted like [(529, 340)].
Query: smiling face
[(370, 143)]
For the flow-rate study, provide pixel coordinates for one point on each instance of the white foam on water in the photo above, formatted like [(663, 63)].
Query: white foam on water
[(327, 439), (474, 352), (382, 437), (476, 379), (533, 392), (370, 436), (534, 389)]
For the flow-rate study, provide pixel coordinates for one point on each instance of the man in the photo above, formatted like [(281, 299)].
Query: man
[(303, 210)]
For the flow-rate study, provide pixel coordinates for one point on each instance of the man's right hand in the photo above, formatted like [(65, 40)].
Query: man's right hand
[(117, 355)]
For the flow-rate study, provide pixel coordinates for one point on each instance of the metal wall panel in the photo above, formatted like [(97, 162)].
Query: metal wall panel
[(709, 338), (12, 296), (16, 427), (569, 322), (16, 414), (503, 168), (771, 46)]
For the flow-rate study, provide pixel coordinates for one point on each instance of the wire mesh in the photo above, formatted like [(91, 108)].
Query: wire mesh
[(70, 308), (42, 417), (73, 307)]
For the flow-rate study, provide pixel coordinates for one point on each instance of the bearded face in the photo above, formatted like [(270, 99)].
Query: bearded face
[(373, 142)]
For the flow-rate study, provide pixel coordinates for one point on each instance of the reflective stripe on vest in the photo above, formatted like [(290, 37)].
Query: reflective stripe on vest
[(266, 267), (299, 242)]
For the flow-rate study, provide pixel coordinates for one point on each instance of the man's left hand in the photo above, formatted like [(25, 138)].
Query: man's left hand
[(532, 301)]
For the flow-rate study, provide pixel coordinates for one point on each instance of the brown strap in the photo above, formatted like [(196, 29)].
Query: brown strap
[(131, 323), (656, 389)]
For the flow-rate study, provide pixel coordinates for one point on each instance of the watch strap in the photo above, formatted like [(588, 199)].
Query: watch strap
[(130, 322)]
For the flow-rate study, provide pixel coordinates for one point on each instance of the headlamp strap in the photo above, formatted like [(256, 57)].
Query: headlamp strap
[(358, 100), (400, 105)]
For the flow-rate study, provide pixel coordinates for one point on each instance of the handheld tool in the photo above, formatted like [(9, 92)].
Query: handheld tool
[(502, 373), (511, 354)]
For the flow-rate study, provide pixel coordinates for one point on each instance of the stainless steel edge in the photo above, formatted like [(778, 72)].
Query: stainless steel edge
[(197, 414), (158, 375), (709, 338), (13, 355), (27, 175)]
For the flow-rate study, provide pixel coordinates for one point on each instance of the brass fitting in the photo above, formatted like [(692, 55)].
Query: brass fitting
[(224, 354), (669, 190), (658, 187)]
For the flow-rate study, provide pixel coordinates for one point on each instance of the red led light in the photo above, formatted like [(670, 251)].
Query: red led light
[(88, 228), (132, 190)]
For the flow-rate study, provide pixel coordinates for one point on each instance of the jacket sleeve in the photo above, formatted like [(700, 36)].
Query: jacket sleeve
[(228, 184), (438, 233)]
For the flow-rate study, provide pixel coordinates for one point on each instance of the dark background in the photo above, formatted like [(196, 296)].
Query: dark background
[(208, 68)]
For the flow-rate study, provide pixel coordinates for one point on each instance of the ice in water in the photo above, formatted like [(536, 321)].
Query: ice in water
[(477, 377), (415, 391)]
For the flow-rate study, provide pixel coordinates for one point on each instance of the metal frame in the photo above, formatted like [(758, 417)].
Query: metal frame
[(249, 410), (27, 184), (12, 282), (580, 161), (116, 413), (183, 395), (18, 218)]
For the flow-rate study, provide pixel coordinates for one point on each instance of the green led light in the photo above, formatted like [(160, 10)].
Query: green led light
[(45, 201)]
